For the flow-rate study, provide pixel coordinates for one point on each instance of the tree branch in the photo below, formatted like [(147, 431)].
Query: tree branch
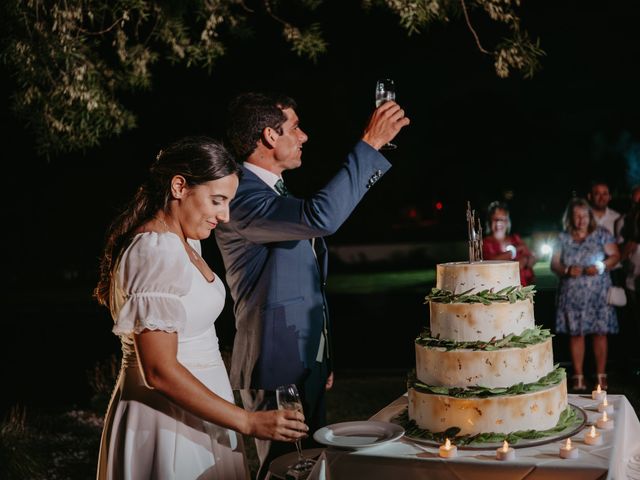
[(102, 32), (269, 9), (475, 35)]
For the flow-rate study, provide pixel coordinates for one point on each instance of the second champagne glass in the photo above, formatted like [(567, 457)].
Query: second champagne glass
[(385, 91), (288, 398)]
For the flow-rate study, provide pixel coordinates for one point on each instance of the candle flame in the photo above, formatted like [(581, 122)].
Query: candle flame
[(592, 432), (568, 444), (604, 401), (604, 416), (599, 390), (447, 444), (505, 446)]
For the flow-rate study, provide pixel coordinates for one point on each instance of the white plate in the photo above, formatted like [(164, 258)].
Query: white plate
[(358, 434)]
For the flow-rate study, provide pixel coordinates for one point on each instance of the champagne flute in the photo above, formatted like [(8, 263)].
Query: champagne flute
[(288, 398), (385, 91)]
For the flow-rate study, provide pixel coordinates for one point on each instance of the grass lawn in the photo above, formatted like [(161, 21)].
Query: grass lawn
[(63, 444), (411, 280)]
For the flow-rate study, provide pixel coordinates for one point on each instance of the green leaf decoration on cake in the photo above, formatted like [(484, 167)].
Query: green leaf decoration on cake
[(486, 297), (568, 419), (552, 378), (530, 336)]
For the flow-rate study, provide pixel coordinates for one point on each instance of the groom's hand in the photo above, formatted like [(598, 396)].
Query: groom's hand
[(329, 384), (385, 123)]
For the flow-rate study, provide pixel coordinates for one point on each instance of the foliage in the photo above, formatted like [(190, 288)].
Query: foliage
[(74, 60), (102, 379), (17, 461), (515, 52), (568, 419), (486, 297), (554, 377), (530, 336), (49, 444)]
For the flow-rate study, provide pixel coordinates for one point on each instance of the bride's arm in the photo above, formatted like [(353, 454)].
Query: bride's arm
[(157, 352)]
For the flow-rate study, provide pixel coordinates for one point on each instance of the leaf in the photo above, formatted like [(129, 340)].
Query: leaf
[(452, 432), (568, 418), (527, 337), (510, 294), (552, 378)]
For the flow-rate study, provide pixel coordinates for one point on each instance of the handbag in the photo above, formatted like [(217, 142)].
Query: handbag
[(616, 296)]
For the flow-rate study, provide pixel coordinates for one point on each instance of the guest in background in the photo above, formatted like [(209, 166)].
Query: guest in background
[(501, 244), (628, 230), (172, 413), (582, 258), (599, 198)]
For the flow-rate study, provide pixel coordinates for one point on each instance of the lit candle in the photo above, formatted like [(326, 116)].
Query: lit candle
[(447, 450), (598, 394), (592, 437), (604, 422), (505, 452), (567, 451), (605, 406)]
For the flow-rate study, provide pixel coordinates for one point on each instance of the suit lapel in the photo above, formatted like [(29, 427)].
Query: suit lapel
[(319, 245)]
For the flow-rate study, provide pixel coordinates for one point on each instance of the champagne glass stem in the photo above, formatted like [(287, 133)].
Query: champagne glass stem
[(299, 448)]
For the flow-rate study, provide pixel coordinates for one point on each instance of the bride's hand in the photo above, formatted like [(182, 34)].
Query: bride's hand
[(281, 425)]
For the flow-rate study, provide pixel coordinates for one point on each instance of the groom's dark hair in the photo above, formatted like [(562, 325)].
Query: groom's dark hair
[(249, 114)]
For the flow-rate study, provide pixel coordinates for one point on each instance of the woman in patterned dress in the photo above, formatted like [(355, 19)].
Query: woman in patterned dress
[(582, 258)]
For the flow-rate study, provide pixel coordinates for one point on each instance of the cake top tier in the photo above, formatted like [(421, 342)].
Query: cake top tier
[(459, 277)]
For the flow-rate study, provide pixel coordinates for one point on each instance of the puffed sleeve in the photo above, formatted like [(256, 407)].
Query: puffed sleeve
[(153, 274)]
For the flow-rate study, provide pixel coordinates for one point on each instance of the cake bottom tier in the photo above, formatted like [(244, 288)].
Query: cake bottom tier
[(500, 414)]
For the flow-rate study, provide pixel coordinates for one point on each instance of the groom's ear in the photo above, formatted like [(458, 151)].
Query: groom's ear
[(269, 137)]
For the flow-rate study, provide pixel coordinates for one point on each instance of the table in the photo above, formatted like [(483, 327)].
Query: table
[(278, 467), (617, 458)]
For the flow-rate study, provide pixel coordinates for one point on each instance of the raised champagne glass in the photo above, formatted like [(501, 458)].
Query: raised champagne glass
[(385, 91), (288, 398)]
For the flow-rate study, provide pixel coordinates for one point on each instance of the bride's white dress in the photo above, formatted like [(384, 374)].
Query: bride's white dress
[(146, 436)]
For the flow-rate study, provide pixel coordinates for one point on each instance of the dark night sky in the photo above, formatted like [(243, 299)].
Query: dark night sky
[(473, 136)]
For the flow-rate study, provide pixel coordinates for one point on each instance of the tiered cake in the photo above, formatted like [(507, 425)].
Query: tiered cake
[(483, 366)]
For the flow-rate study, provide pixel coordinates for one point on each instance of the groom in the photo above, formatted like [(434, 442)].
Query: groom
[(275, 256)]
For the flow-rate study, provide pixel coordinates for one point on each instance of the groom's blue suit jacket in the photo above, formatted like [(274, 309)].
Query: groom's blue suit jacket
[(277, 284)]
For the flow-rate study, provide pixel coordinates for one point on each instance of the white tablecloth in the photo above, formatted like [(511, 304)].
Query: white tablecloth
[(617, 458)]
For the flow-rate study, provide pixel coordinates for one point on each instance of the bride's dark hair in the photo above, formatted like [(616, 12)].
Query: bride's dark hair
[(197, 159)]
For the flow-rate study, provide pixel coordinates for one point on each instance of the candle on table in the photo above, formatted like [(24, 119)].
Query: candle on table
[(567, 450), (605, 406), (592, 437), (604, 422), (598, 394), (447, 450), (505, 452)]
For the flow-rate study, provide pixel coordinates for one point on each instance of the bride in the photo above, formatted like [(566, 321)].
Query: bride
[(172, 413)]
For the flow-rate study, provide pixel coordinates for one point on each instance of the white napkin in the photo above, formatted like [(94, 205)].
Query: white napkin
[(633, 467)]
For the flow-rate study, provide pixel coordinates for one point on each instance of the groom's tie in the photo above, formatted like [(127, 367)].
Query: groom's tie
[(280, 188)]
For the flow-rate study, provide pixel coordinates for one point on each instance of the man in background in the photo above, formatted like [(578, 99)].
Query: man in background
[(599, 198), (628, 230)]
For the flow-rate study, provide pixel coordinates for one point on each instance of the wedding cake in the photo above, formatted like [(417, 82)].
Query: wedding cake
[(483, 365)]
